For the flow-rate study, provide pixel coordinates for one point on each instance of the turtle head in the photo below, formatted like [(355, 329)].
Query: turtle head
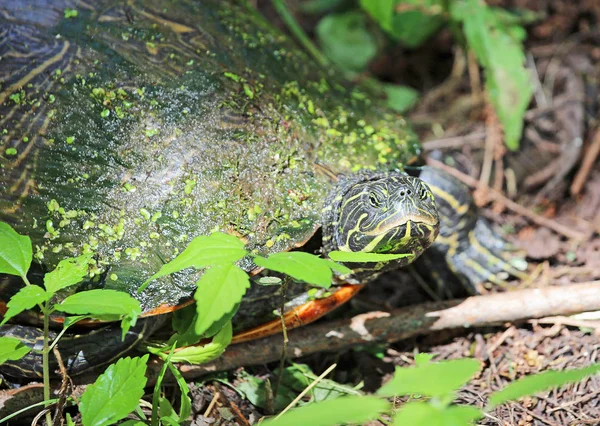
[(381, 213)]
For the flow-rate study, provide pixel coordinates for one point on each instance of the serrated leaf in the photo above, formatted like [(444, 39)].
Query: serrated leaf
[(214, 249), (299, 265), (355, 256), (345, 39), (12, 349), (115, 393), (15, 251), (219, 290), (508, 82), (351, 409), (400, 98), (68, 272), (426, 414), (100, 302), (208, 352), (540, 382), (26, 298), (435, 379)]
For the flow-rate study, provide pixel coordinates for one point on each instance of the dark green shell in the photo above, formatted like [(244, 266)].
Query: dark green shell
[(131, 128)]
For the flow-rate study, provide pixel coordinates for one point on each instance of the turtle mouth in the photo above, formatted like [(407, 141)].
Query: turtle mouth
[(399, 220)]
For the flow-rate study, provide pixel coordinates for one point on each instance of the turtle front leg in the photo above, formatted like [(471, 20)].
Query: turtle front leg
[(467, 248)]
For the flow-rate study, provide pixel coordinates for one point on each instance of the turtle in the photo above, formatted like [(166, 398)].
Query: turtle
[(129, 128)]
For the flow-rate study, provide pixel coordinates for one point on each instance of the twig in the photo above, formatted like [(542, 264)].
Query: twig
[(588, 163), (510, 204), (63, 392), (308, 388), (474, 139), (408, 322), (212, 404)]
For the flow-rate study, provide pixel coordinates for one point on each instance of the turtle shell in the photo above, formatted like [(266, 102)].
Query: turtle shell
[(129, 128)]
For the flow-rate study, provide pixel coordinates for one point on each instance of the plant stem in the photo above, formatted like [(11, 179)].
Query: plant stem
[(46, 359), (298, 32), (285, 339)]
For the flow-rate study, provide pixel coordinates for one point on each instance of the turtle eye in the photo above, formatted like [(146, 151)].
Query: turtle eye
[(374, 200)]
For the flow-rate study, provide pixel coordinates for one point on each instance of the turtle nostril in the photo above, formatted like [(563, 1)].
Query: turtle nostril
[(402, 193), (409, 192)]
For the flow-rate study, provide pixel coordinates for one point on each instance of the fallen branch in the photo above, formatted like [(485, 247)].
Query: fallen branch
[(382, 327)]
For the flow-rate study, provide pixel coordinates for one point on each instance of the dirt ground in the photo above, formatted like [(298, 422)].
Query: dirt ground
[(555, 176)]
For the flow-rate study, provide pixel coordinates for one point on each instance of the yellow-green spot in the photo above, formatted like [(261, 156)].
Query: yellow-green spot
[(133, 252), (11, 151), (189, 186), (114, 277), (105, 113), (248, 91), (145, 213), (63, 223), (175, 214), (53, 205), (232, 76), (129, 187), (156, 216), (70, 139), (151, 132), (71, 13), (25, 139), (154, 235), (87, 225), (310, 107)]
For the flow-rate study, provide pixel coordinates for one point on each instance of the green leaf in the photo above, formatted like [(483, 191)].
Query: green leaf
[(26, 298), (215, 249), (502, 55), (69, 271), (416, 21), (423, 358), (400, 98), (345, 39), (15, 251), (219, 290), (100, 302), (185, 406), (426, 414), (435, 379), (355, 256), (540, 382), (208, 352), (351, 409), (12, 349), (133, 423), (381, 11), (299, 265), (115, 393)]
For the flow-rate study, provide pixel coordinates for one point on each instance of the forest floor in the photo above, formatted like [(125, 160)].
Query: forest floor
[(555, 176)]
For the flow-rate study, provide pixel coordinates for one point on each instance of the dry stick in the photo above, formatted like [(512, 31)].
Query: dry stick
[(588, 162), (408, 322), (306, 390), (510, 204)]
